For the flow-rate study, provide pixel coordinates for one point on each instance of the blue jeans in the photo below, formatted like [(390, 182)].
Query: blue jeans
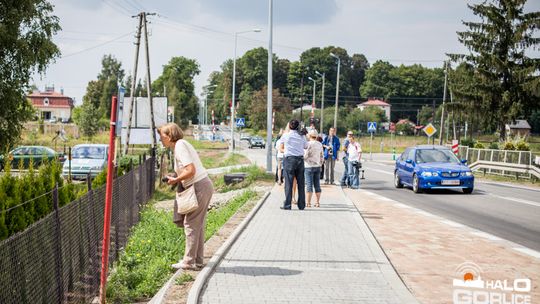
[(345, 177), (313, 179), (293, 166), (353, 176)]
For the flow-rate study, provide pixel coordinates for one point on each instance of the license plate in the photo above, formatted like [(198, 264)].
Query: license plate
[(450, 182)]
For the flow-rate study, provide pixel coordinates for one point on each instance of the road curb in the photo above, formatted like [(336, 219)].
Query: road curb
[(387, 268), (202, 277)]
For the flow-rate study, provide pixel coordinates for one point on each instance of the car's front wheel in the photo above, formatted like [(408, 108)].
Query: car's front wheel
[(416, 184), (397, 180), (468, 190)]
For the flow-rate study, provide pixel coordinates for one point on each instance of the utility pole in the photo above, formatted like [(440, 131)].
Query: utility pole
[(134, 81), (443, 104), (322, 99), (149, 82), (269, 92)]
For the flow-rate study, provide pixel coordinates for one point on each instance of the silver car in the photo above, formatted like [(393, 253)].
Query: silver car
[(86, 159)]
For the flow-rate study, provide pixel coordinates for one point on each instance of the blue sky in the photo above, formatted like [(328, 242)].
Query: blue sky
[(401, 32)]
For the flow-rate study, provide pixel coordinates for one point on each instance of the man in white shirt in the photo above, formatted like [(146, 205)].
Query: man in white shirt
[(293, 145)]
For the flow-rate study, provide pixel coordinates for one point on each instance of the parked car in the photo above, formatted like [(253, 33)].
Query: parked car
[(53, 119), (65, 120), (432, 167), (256, 142), (86, 159), (24, 154)]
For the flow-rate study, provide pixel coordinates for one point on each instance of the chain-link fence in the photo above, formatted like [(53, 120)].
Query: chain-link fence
[(58, 258)]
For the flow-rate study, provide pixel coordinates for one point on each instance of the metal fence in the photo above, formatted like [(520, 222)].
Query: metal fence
[(492, 156), (58, 258)]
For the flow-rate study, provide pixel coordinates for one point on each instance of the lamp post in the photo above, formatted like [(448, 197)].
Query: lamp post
[(269, 90), (313, 99), (323, 75), (337, 88), (231, 147)]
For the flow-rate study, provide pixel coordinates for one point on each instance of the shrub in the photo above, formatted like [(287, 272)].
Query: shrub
[(508, 146), (522, 146), (493, 145), (468, 142), (479, 145)]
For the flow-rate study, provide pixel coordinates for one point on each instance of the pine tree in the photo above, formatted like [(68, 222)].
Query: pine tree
[(504, 76)]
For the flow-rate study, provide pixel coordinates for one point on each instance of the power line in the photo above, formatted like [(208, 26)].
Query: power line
[(96, 46)]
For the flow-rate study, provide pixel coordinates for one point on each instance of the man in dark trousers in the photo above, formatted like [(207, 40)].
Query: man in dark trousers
[(293, 145), (331, 148)]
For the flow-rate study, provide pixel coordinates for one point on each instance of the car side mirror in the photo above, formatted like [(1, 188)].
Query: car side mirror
[(409, 161), (463, 161)]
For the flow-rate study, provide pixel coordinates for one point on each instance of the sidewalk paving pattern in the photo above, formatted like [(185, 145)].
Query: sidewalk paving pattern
[(319, 255)]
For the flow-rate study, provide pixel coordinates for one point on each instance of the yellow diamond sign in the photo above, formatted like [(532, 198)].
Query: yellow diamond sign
[(429, 130)]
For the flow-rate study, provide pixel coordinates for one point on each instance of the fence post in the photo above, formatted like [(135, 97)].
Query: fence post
[(58, 247)]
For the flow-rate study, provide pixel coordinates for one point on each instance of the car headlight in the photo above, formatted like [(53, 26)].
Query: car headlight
[(427, 174), (466, 173)]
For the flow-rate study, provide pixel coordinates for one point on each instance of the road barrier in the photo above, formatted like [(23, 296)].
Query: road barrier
[(509, 163), (57, 259)]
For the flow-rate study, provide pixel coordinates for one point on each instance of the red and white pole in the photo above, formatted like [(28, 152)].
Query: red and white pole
[(455, 146), (108, 207)]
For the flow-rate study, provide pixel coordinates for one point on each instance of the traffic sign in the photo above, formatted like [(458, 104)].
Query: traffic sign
[(429, 130), (240, 122), (372, 126)]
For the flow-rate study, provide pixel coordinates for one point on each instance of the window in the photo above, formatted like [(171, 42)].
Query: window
[(404, 155), (46, 102), (411, 154)]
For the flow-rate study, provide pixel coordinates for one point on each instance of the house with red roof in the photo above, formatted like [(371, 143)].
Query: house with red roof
[(386, 107), (51, 104)]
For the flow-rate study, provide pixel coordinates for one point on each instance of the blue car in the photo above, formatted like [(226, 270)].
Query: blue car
[(432, 167)]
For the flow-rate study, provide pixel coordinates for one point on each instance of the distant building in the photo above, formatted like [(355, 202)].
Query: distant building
[(521, 127), (386, 107), (51, 104)]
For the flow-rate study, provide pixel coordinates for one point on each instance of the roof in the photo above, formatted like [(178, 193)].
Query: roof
[(375, 102), (520, 124)]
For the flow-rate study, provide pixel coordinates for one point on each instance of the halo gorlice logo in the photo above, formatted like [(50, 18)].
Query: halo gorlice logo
[(470, 288)]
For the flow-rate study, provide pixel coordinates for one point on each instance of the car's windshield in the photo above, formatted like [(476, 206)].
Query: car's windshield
[(88, 152), (435, 155)]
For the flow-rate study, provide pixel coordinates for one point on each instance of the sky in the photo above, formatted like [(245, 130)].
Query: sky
[(397, 31)]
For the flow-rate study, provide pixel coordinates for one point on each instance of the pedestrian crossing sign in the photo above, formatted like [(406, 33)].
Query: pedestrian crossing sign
[(372, 126), (240, 122)]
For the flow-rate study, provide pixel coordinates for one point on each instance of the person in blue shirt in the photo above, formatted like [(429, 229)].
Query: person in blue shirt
[(331, 146), (293, 145)]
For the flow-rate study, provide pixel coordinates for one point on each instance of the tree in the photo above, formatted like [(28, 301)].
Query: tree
[(281, 105), (26, 47), (358, 119), (505, 77), (177, 80), (99, 92), (88, 119)]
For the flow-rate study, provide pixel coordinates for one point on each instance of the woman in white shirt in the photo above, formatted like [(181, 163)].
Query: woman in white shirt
[(313, 159), (355, 153), (190, 172)]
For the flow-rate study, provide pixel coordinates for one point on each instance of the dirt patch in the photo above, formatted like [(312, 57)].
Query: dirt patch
[(178, 293)]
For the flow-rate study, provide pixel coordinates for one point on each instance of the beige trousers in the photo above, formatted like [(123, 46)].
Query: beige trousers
[(194, 223)]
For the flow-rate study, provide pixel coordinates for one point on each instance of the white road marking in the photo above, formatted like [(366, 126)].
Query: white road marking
[(528, 251), (380, 171), (453, 224), (517, 200), (486, 235)]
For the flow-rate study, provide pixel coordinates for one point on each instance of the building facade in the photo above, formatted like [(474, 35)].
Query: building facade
[(386, 107), (51, 104)]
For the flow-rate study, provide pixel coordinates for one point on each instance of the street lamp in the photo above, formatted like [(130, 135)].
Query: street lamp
[(231, 147), (313, 100), (323, 75), (337, 88)]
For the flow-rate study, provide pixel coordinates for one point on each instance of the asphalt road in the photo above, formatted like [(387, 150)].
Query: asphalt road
[(508, 212)]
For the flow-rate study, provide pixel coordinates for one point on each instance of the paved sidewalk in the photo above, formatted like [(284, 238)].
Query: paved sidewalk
[(319, 255)]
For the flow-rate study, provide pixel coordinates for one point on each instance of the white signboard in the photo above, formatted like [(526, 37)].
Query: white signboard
[(140, 122)]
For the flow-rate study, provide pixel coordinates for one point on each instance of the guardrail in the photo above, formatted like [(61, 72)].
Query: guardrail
[(510, 163)]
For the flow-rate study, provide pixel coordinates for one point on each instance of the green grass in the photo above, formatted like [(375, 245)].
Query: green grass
[(184, 278), (154, 244), (204, 144), (499, 178), (223, 159), (254, 173)]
